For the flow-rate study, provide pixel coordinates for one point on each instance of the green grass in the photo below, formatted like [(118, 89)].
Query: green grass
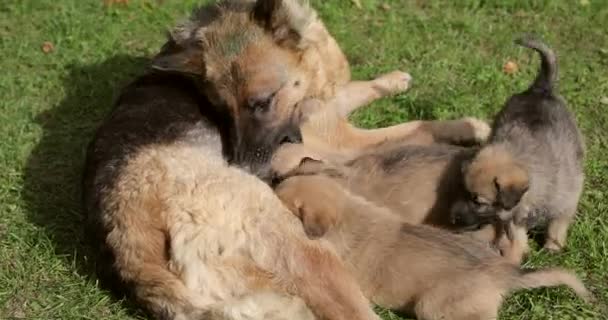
[(51, 103)]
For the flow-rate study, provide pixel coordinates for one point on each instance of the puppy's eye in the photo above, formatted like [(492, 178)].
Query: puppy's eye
[(297, 83)]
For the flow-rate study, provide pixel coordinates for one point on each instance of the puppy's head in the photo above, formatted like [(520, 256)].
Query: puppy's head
[(495, 183), (316, 200), (254, 61)]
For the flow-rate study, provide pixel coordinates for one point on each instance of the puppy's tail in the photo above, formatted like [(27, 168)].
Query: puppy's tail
[(551, 277), (547, 75)]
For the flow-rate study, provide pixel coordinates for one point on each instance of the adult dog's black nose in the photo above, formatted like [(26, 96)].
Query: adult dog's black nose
[(291, 136)]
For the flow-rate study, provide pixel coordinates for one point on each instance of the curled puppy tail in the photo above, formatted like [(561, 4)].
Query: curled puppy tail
[(551, 277), (547, 74)]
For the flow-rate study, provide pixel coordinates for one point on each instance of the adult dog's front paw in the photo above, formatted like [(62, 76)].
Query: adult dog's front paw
[(394, 82), (480, 129)]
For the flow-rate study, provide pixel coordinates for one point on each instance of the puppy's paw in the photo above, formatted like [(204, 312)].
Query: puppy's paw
[(552, 246), (394, 82), (480, 129)]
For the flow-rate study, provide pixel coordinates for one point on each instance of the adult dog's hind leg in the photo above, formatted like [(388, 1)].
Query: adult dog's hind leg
[(461, 131), (140, 261), (557, 231)]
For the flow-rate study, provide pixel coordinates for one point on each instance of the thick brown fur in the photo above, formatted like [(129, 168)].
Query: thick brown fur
[(430, 272), (175, 219), (531, 170)]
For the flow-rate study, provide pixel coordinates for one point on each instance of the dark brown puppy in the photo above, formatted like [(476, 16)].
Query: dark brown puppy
[(531, 169), (430, 272)]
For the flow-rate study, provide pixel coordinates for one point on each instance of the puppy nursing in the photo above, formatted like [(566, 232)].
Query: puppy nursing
[(416, 269), (531, 169)]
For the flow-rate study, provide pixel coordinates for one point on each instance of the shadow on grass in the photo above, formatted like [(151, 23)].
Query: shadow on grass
[(54, 169)]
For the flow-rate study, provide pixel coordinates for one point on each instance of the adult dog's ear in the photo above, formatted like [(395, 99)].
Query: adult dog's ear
[(508, 195), (287, 20), (179, 58)]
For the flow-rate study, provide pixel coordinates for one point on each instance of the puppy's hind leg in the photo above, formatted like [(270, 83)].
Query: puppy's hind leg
[(461, 299), (307, 269), (557, 231), (514, 244)]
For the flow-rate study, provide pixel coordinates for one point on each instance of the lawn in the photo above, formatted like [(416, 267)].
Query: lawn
[(63, 61)]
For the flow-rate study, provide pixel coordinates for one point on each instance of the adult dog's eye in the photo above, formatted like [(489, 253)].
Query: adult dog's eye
[(261, 103), (476, 201)]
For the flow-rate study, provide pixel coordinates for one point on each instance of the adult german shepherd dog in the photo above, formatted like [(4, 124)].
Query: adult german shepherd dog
[(178, 216)]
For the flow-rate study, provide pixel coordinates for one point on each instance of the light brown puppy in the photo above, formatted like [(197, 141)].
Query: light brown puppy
[(433, 273), (422, 183), (531, 170)]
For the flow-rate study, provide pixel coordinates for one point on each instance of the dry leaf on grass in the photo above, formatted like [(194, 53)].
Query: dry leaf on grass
[(385, 6), (357, 3), (510, 67), (47, 47)]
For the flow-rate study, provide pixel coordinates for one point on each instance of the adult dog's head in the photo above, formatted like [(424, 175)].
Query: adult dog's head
[(254, 61)]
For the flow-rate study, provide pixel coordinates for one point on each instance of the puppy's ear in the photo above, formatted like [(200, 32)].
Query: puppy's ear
[(287, 20), (509, 195), (306, 161), (179, 58), (315, 224)]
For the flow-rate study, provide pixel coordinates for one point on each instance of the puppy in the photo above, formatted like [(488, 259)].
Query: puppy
[(430, 272), (421, 183), (531, 169)]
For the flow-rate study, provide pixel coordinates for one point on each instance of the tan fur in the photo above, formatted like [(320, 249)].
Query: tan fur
[(410, 189), (421, 184), (494, 169), (418, 269), (191, 235), (210, 261), (328, 129)]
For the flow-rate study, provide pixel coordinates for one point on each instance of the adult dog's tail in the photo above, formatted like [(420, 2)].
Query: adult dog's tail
[(547, 75)]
